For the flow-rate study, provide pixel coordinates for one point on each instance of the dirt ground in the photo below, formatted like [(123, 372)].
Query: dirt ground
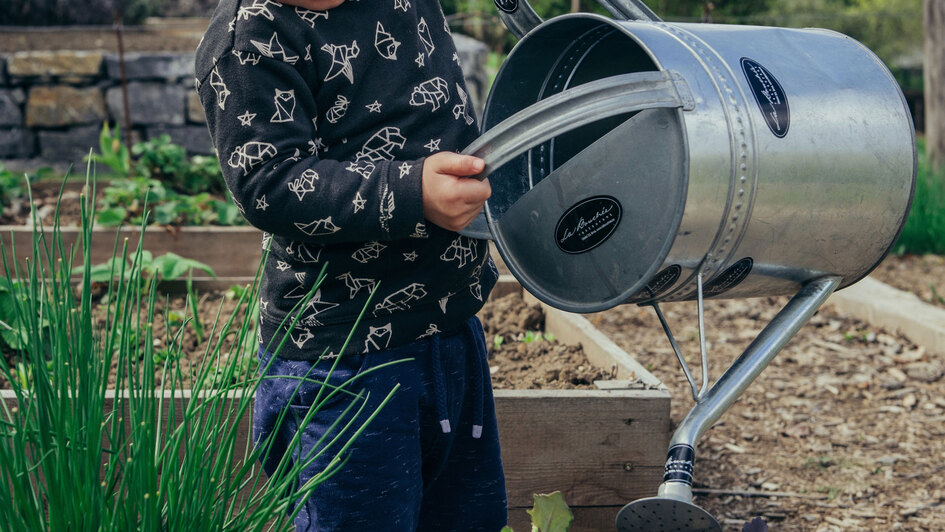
[(522, 361), (843, 431), (520, 356)]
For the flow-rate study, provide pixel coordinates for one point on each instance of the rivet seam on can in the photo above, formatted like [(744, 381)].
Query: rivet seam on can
[(733, 227)]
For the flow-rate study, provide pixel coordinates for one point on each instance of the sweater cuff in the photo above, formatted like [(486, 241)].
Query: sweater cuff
[(404, 185)]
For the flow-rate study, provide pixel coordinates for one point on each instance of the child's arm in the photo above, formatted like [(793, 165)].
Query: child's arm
[(260, 116)]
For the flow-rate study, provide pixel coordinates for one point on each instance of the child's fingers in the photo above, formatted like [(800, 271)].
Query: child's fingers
[(458, 164), (474, 191)]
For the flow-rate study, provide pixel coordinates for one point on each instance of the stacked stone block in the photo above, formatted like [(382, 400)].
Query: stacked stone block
[(53, 104)]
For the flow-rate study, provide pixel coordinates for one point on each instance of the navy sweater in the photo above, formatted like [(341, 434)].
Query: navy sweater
[(322, 120)]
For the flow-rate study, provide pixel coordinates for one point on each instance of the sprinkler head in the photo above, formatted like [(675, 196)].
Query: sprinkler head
[(661, 514)]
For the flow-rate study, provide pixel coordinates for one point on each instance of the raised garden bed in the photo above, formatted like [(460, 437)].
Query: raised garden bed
[(233, 252), (600, 447)]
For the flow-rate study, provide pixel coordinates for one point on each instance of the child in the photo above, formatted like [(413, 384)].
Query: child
[(333, 121)]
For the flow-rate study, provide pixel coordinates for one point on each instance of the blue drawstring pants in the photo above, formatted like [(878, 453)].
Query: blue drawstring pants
[(429, 461)]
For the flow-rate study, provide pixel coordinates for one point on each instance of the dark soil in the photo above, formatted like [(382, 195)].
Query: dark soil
[(46, 197), (518, 361), (536, 364), (214, 310)]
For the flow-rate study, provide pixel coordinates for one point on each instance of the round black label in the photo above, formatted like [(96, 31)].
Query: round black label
[(587, 224), (735, 274), (509, 6), (769, 95)]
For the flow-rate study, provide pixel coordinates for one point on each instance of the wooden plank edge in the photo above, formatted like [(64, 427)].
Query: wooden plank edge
[(882, 305)]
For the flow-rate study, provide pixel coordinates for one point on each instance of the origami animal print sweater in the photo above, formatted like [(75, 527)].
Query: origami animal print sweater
[(322, 120)]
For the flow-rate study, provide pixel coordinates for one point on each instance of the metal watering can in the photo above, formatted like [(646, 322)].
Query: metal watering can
[(637, 161)]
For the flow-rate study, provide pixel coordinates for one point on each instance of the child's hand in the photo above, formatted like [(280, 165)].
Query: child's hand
[(314, 5), (450, 199)]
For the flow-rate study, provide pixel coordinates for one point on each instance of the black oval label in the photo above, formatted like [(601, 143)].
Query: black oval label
[(509, 6), (587, 224), (769, 95), (735, 274)]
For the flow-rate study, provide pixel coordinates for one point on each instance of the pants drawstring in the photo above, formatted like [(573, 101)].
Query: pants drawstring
[(479, 378), (439, 385)]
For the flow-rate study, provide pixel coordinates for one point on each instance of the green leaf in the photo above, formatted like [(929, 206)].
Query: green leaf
[(7, 301), (173, 266), (111, 217), (165, 213), (551, 513), (227, 213), (102, 273), (497, 341), (12, 337)]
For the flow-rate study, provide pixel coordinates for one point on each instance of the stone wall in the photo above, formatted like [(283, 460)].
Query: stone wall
[(53, 103)]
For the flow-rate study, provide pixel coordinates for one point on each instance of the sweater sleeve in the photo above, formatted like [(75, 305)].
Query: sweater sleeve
[(261, 115)]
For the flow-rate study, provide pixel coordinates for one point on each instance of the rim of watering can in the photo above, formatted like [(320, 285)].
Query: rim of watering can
[(587, 26)]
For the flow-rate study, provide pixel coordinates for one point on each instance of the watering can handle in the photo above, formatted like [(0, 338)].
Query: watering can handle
[(519, 16), (571, 109), (576, 107)]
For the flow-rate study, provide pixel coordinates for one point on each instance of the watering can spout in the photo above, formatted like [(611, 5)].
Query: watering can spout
[(674, 499)]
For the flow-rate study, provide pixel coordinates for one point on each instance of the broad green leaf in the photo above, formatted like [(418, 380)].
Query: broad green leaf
[(227, 213), (173, 266), (551, 513), (111, 217), (165, 213), (102, 273), (15, 336), (7, 301)]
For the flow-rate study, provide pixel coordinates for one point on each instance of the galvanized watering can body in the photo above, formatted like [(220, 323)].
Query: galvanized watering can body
[(760, 158)]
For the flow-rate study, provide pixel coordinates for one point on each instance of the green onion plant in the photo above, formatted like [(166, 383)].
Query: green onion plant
[(81, 450)]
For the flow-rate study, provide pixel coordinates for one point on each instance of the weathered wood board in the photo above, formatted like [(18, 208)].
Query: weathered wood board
[(230, 251)]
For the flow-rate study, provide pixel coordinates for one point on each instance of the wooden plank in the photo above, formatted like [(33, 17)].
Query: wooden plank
[(578, 442), (882, 305), (597, 447), (230, 251), (504, 286)]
